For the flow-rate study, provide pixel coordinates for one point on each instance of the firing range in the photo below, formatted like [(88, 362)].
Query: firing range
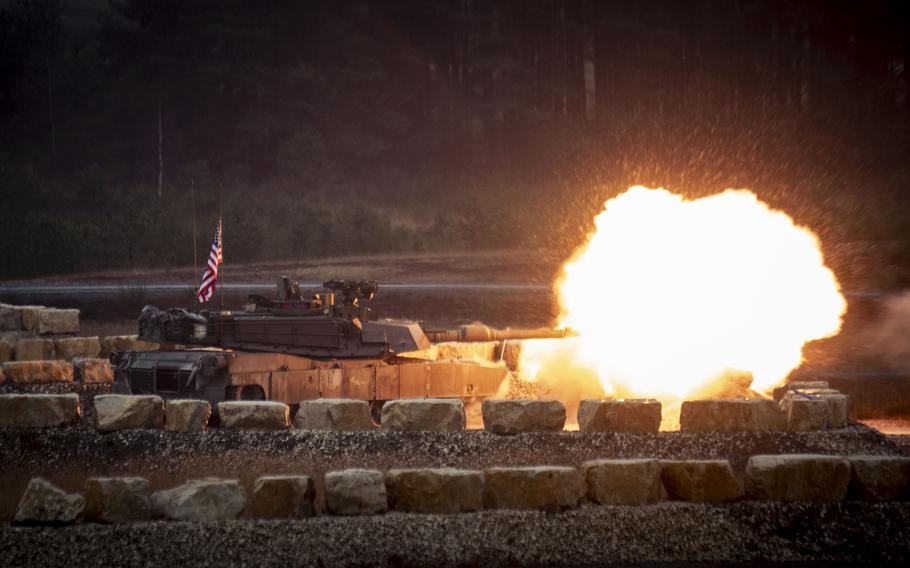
[(454, 282)]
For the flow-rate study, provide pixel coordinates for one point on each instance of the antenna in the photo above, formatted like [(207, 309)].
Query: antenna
[(221, 226), (195, 254)]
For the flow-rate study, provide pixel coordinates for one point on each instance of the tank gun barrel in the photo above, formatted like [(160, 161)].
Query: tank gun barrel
[(478, 333)]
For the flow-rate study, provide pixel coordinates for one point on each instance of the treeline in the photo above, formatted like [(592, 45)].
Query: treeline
[(325, 128)]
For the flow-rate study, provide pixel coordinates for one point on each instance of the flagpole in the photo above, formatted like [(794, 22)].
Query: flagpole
[(221, 226), (195, 254)]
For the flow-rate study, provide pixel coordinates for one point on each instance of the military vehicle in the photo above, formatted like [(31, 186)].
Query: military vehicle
[(296, 348)]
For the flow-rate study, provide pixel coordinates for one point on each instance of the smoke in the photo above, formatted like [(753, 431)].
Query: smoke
[(555, 369), (889, 338), (559, 373)]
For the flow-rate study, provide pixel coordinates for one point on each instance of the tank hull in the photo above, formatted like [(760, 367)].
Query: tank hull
[(217, 375)]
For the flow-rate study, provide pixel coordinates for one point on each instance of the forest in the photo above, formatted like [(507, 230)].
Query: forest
[(354, 127)]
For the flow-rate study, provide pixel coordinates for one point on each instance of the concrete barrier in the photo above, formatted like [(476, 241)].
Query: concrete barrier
[(798, 385), (34, 349), (93, 371), (116, 499), (800, 477), (624, 482), (516, 416), (731, 415), (253, 415), (338, 414), (424, 414), (550, 488), (207, 499), (38, 410), (7, 350), (700, 481), (630, 415), (50, 321), (816, 390), (355, 492), (115, 343), (10, 318), (783, 478), (187, 415), (56, 321), (806, 414), (68, 348), (442, 490), (837, 406), (838, 409), (879, 478), (43, 503), (30, 318), (283, 497), (128, 412), (38, 372)]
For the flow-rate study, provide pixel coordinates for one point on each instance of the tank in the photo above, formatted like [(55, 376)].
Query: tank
[(299, 347)]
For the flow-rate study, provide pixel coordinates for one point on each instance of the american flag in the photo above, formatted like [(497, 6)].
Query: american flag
[(210, 276)]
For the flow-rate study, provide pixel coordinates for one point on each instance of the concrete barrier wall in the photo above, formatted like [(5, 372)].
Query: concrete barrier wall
[(731, 415), (635, 482), (22, 347), (446, 415), (38, 320), (113, 343), (38, 410), (30, 372), (88, 370), (37, 333)]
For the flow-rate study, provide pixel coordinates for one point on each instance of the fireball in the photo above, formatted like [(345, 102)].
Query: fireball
[(671, 297)]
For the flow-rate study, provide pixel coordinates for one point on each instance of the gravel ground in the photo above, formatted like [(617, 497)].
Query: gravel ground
[(742, 533), (171, 451)]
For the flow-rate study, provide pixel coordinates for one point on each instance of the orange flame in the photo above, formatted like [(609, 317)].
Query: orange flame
[(670, 296)]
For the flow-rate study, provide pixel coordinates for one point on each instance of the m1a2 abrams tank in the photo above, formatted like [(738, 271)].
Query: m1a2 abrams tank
[(296, 348)]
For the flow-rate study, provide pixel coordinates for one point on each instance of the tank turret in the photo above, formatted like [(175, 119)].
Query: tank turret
[(317, 327)]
